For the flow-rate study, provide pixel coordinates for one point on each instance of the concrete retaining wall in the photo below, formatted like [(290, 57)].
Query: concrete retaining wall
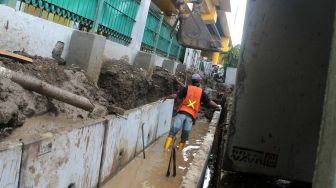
[(148, 61), (36, 36), (10, 160), (230, 76), (120, 143), (325, 166), (86, 155), (20, 31), (86, 51), (60, 160), (195, 175), (280, 89), (118, 51)]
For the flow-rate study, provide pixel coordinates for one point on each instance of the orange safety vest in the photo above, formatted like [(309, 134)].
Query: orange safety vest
[(192, 102)]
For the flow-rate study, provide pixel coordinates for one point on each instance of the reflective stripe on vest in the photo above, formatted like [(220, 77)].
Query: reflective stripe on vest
[(192, 102)]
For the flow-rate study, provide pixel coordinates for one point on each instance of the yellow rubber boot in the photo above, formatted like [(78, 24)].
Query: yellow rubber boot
[(169, 140), (181, 146)]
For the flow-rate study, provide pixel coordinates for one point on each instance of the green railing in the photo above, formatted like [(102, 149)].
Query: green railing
[(10, 3), (82, 12), (111, 18), (116, 17), (158, 39)]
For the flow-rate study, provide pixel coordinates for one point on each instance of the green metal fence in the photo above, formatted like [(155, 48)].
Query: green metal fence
[(112, 18), (116, 17), (158, 39), (82, 12), (10, 3)]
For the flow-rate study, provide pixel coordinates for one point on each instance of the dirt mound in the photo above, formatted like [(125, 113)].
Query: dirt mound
[(42, 68), (164, 83), (17, 103), (120, 86), (183, 76), (127, 86), (217, 92)]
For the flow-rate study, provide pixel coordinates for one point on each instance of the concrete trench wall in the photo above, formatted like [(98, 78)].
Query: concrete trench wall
[(280, 88), (231, 74), (83, 156), (196, 173), (325, 166), (63, 159), (20, 31), (10, 160)]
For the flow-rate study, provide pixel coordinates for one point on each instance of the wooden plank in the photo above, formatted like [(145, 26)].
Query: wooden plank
[(17, 57)]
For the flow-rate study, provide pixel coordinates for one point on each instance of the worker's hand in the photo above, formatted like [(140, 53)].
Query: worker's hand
[(218, 108)]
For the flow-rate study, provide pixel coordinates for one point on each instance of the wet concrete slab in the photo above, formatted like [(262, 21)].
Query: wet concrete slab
[(151, 172)]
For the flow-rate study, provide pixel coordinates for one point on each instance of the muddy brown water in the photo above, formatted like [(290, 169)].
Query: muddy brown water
[(151, 172)]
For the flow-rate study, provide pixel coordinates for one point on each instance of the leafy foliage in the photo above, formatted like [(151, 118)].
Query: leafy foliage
[(231, 58)]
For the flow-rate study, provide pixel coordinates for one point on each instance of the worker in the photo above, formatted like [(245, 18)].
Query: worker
[(192, 96)]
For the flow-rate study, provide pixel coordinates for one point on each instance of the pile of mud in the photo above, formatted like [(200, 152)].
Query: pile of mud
[(17, 103), (217, 92), (128, 87), (184, 77), (120, 85)]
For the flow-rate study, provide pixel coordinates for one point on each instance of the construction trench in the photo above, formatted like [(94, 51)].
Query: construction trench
[(276, 128), (45, 141), (48, 143)]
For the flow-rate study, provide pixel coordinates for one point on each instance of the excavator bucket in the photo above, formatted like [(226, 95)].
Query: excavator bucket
[(193, 32)]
